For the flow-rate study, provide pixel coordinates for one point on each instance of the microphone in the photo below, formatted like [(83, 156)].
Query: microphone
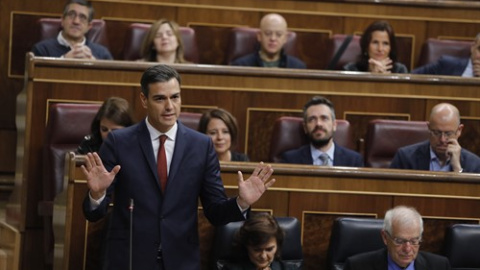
[(130, 208)]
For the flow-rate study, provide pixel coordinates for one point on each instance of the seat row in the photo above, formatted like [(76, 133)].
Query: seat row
[(242, 41), (351, 236), (383, 138)]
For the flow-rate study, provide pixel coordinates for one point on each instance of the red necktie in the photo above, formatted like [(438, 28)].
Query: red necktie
[(162, 162)]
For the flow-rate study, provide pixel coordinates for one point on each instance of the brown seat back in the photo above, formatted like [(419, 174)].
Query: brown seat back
[(350, 54), (49, 28), (384, 137), (67, 125), (190, 119), (288, 134), (137, 31), (433, 49), (243, 41)]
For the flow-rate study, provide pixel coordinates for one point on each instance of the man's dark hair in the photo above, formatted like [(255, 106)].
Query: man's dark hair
[(84, 3), (318, 100), (158, 73)]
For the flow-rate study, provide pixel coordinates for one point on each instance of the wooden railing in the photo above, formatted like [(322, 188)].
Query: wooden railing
[(314, 195), (255, 96)]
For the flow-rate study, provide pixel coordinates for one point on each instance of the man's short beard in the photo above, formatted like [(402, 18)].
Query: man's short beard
[(320, 143)]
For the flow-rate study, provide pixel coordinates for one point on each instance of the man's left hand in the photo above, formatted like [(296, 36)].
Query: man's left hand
[(252, 189)]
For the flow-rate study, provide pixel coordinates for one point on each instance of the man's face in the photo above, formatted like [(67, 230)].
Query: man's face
[(272, 35), (319, 125), (403, 243), (163, 104), (75, 22), (443, 131)]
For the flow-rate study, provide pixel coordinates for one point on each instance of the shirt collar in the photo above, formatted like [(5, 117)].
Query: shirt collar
[(435, 163), (65, 42), (316, 153), (154, 133), (393, 266)]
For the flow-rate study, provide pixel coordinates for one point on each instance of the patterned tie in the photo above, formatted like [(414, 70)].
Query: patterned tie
[(162, 162), (323, 159)]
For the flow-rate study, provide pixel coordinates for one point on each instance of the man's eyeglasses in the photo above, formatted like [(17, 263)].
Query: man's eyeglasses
[(446, 134), (72, 15), (400, 241)]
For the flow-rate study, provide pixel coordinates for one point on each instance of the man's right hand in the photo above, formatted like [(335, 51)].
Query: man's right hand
[(98, 178), (80, 52)]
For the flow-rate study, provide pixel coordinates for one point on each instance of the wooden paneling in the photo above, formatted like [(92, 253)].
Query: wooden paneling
[(314, 195), (420, 19), (255, 96)]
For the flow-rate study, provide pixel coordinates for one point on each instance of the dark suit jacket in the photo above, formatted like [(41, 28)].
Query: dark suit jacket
[(169, 218), (417, 157), (341, 156), (446, 65), (377, 260), (254, 60)]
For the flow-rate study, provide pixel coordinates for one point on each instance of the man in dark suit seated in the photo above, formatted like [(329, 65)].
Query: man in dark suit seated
[(319, 125), (71, 41), (455, 66), (441, 152), (272, 37), (402, 235), (154, 173)]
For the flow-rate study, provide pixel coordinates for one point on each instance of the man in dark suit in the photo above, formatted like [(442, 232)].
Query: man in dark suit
[(441, 152), (163, 216), (455, 66), (402, 235), (271, 37), (319, 125)]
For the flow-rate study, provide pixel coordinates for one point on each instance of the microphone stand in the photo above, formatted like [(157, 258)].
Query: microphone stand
[(131, 235)]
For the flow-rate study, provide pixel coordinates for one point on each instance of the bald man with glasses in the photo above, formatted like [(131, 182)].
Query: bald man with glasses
[(402, 235), (441, 152)]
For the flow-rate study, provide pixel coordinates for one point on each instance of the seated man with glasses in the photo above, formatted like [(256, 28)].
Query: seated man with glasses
[(441, 152), (402, 235), (71, 41)]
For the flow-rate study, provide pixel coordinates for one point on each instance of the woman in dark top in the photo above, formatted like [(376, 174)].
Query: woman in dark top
[(113, 114), (257, 244), (379, 51), (222, 127)]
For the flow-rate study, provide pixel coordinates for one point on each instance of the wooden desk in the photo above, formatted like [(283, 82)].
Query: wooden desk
[(314, 195), (255, 96)]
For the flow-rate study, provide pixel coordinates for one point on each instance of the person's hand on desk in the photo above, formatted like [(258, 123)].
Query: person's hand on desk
[(80, 52), (380, 66), (98, 178), (252, 189)]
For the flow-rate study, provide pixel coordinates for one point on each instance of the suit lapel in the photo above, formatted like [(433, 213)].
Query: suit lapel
[(420, 262), (147, 150), (423, 159), (307, 155), (179, 151)]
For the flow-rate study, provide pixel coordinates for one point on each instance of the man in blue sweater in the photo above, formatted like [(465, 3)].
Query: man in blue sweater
[(71, 41)]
